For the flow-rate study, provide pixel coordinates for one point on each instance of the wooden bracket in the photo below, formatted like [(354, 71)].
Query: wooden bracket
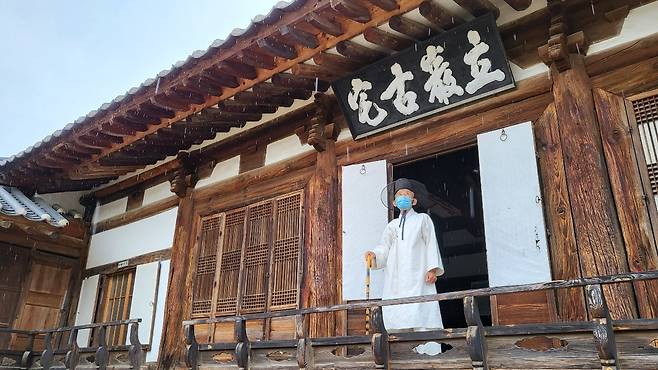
[(380, 347), (73, 353), (320, 128), (604, 335), (243, 348), (304, 346), (102, 356), (186, 176), (475, 339), (560, 43), (191, 347), (135, 352), (47, 355)]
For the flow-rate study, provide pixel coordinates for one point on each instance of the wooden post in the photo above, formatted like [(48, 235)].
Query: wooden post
[(102, 357), (72, 356), (135, 354), (192, 348), (604, 336), (243, 348), (380, 347), (178, 303), (304, 348), (597, 231), (475, 340), (321, 253)]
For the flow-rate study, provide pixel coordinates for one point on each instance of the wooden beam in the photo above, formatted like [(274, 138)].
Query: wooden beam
[(220, 115), (233, 106), (479, 7), (519, 5), (160, 255), (439, 15), (313, 71), (116, 128), (219, 78), (257, 60), (411, 28), (336, 62), (298, 36), (386, 39), (388, 5), (137, 214), (238, 69), (352, 9), (276, 48), (169, 102), (156, 111), (249, 97), (269, 89), (324, 24), (360, 54)]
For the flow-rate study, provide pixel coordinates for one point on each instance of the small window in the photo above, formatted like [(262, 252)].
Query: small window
[(114, 304)]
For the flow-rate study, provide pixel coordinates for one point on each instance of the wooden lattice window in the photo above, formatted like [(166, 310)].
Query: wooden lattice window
[(114, 305), (258, 249), (646, 116)]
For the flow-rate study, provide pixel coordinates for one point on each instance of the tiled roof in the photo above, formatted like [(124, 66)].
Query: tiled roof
[(271, 17), (14, 203)]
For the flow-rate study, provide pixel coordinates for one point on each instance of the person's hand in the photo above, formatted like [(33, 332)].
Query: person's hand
[(430, 277), (370, 258)]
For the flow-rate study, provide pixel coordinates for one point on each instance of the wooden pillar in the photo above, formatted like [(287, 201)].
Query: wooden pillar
[(179, 294), (321, 252)]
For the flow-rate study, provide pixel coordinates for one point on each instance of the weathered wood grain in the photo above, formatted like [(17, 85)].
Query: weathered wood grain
[(565, 262), (629, 195)]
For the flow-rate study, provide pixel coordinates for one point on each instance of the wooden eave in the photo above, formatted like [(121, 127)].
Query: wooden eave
[(263, 66)]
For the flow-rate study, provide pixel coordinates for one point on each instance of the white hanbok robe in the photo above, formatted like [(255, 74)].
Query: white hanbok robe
[(405, 263)]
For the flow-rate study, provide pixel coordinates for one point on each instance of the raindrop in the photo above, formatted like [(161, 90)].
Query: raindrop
[(348, 153), (515, 37), (316, 84), (592, 4), (406, 149), (578, 48)]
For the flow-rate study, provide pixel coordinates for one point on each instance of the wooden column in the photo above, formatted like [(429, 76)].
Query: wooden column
[(179, 294), (596, 224), (321, 251)]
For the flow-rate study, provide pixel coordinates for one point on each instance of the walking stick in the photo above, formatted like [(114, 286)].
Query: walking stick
[(368, 267)]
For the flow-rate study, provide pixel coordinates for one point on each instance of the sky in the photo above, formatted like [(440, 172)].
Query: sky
[(61, 59)]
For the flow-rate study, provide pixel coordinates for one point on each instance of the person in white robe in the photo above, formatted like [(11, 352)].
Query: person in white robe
[(409, 254)]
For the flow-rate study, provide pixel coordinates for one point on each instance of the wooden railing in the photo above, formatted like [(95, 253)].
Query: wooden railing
[(584, 344), (97, 355)]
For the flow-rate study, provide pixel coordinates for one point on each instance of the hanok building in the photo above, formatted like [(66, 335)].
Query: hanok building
[(217, 215)]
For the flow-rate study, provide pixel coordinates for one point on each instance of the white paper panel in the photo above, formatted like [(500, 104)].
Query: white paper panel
[(515, 233), (152, 355), (144, 299), (86, 305), (364, 220)]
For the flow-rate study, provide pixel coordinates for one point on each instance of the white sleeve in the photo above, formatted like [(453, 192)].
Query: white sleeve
[(433, 256), (381, 251)]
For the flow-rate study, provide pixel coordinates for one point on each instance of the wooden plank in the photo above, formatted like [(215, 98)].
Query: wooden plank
[(320, 252), (631, 199), (559, 222), (137, 214), (598, 235), (253, 158), (163, 254)]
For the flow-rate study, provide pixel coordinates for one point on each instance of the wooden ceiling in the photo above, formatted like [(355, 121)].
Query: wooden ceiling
[(285, 56)]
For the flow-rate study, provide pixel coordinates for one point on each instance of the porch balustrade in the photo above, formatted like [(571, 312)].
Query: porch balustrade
[(57, 355), (600, 343)]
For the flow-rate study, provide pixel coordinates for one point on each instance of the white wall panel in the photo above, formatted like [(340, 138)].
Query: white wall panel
[(86, 305), (364, 220), (515, 233), (152, 355), (144, 299), (285, 148), (115, 208), (222, 171), (140, 237), (640, 22), (157, 192)]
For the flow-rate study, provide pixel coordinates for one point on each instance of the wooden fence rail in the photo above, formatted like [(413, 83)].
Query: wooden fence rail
[(71, 356), (475, 347)]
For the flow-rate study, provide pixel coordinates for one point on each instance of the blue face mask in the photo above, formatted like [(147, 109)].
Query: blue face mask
[(403, 202)]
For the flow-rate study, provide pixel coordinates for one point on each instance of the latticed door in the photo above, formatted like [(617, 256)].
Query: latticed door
[(255, 264), (646, 115), (210, 237), (229, 269), (286, 248)]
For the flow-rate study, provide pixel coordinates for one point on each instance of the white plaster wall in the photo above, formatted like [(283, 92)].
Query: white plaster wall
[(141, 237), (285, 148), (69, 200), (158, 323), (86, 304), (157, 192), (115, 208), (523, 73), (641, 22), (144, 299), (222, 171)]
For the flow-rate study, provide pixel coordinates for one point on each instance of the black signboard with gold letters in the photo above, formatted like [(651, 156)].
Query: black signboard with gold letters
[(463, 64)]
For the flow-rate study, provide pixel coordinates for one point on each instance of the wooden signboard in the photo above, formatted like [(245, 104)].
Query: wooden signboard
[(455, 67)]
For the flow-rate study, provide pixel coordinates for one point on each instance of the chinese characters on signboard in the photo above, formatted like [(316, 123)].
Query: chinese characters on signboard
[(453, 68)]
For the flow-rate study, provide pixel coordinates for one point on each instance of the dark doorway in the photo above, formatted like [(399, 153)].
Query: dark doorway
[(453, 179)]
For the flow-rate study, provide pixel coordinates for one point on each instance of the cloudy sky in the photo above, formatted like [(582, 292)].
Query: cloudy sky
[(61, 59)]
